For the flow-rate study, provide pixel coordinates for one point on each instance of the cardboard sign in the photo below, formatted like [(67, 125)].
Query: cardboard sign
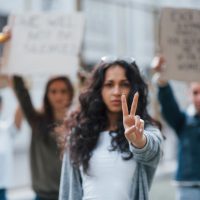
[(180, 43), (43, 43)]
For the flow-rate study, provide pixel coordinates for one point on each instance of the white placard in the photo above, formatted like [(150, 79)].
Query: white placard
[(43, 43), (180, 43)]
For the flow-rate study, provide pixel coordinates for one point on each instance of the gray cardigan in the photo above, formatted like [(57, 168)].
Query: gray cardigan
[(146, 159)]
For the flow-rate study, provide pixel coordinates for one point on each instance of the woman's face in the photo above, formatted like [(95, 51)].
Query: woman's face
[(58, 95), (195, 95), (115, 84)]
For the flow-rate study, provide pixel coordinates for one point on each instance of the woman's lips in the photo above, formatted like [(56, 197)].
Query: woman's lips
[(116, 102)]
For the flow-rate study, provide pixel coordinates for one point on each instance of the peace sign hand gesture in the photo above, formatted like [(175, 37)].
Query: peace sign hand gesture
[(133, 125)]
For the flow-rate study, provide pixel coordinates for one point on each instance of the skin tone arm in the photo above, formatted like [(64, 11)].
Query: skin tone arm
[(5, 35), (18, 112), (157, 66), (133, 125), (18, 117)]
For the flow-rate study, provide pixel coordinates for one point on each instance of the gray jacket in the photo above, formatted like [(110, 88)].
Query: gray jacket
[(146, 159)]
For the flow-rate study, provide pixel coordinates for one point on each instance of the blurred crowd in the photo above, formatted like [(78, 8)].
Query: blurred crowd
[(103, 144)]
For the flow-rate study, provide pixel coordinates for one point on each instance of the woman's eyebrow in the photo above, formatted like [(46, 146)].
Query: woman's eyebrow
[(113, 80)]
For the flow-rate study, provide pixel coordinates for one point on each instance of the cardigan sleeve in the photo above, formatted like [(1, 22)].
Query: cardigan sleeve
[(70, 183), (150, 154)]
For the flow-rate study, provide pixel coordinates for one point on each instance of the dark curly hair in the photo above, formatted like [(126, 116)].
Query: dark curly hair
[(91, 119)]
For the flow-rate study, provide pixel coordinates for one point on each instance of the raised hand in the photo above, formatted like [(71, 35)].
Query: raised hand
[(157, 63), (157, 66), (5, 35), (133, 125)]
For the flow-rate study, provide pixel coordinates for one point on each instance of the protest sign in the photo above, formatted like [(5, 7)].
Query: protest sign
[(180, 43), (43, 43)]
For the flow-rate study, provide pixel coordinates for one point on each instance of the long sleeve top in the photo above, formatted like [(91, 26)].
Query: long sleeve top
[(44, 154), (146, 159)]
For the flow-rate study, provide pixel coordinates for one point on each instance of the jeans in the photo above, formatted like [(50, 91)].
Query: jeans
[(2, 194), (39, 198), (188, 193)]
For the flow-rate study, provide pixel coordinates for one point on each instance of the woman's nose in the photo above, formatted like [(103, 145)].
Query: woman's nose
[(116, 90)]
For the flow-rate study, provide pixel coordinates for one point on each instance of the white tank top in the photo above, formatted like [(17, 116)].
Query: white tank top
[(109, 176)]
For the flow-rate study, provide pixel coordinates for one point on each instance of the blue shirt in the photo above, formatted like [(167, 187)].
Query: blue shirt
[(187, 128)]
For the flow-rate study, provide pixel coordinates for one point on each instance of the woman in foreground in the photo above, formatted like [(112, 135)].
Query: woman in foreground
[(114, 145)]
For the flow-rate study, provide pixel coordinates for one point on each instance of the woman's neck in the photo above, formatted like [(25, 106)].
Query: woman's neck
[(113, 120), (59, 114)]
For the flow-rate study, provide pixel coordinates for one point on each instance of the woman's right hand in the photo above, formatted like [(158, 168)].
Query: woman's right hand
[(157, 63), (133, 125), (157, 66), (5, 35)]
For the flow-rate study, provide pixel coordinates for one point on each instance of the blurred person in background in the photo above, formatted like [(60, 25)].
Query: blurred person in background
[(8, 130), (44, 154), (111, 153), (44, 151), (187, 128), (4, 35)]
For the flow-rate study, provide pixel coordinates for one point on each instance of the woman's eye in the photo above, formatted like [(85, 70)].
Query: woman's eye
[(108, 84), (196, 93), (125, 84), (63, 91), (52, 91)]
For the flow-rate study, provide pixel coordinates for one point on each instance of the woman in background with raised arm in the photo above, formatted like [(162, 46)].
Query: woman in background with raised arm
[(45, 159), (44, 152)]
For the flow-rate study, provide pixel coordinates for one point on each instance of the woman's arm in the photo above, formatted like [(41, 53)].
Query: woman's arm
[(150, 154), (169, 106), (144, 141), (24, 99), (18, 118), (5, 35)]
